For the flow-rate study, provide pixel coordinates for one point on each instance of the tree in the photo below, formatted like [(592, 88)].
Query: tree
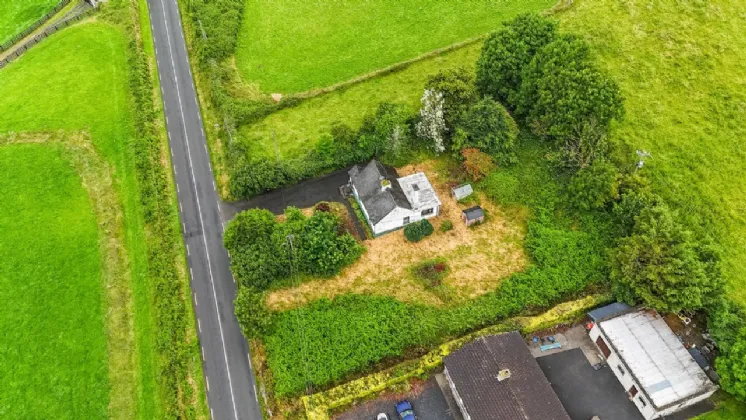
[(488, 127), (321, 249), (415, 232), (432, 124), (507, 52), (385, 133), (457, 89), (661, 265), (563, 94), (594, 186), (477, 164)]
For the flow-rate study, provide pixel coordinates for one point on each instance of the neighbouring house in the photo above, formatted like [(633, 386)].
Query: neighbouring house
[(496, 377), (472, 216), (389, 202), (659, 374), (462, 191)]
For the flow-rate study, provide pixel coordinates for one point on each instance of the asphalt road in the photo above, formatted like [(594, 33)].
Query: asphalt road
[(229, 377)]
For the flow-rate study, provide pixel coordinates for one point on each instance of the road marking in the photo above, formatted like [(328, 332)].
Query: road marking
[(203, 131), (212, 415), (199, 206), (188, 253), (181, 209), (183, 227), (199, 325), (177, 188), (195, 300), (203, 353), (190, 272), (207, 381), (175, 173)]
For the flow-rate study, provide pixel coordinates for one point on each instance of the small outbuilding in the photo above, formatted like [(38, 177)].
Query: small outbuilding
[(472, 216), (659, 374), (462, 191)]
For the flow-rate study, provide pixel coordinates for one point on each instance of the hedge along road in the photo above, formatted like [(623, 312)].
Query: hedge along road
[(229, 377)]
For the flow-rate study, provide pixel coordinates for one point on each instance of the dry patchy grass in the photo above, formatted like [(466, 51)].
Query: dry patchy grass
[(479, 257)]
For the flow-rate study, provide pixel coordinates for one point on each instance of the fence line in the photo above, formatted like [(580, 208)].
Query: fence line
[(5, 46), (47, 32)]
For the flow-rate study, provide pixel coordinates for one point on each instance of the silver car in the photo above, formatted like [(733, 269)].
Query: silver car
[(382, 416)]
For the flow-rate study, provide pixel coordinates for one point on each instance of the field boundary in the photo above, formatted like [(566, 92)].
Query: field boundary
[(34, 26), (96, 177)]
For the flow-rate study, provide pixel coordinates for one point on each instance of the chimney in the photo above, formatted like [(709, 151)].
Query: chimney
[(503, 375)]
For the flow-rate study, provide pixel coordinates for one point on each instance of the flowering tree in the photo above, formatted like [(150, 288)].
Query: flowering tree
[(432, 125)]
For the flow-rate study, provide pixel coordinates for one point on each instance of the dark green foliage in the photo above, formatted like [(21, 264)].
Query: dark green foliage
[(508, 51), (263, 250), (662, 265), (339, 147), (563, 95), (431, 272), (488, 127), (731, 366), (594, 186), (220, 20), (446, 225), (251, 312), (415, 232), (457, 87), (386, 134)]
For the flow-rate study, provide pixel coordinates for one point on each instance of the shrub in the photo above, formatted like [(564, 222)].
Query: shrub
[(415, 232), (595, 186), (507, 52), (446, 225), (488, 127), (251, 312), (563, 94), (432, 124), (386, 133), (661, 265), (432, 272), (731, 366), (477, 164)]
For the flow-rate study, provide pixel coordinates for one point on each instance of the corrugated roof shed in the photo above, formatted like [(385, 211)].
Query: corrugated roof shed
[(473, 213), (462, 191), (656, 358), (526, 395)]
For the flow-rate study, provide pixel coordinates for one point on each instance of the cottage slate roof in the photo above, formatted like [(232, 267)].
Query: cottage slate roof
[(378, 202), (473, 213), (526, 395)]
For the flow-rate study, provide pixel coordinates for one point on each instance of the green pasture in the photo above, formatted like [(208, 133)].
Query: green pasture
[(54, 347), (291, 46), (17, 15)]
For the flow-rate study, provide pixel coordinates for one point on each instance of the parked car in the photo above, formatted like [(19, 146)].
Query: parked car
[(405, 410), (382, 416)]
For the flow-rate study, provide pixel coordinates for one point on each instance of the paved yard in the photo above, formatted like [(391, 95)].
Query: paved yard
[(585, 392), (429, 404)]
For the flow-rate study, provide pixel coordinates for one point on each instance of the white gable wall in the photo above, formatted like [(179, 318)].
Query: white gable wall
[(395, 219)]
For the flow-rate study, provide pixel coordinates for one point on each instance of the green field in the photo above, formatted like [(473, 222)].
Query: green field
[(54, 347), (17, 15), (297, 129), (60, 85), (291, 46), (680, 66)]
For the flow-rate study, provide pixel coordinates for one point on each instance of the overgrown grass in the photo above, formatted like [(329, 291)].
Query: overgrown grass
[(680, 67), (289, 46), (54, 346), (17, 15)]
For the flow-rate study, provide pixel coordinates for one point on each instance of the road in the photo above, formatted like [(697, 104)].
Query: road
[(229, 377)]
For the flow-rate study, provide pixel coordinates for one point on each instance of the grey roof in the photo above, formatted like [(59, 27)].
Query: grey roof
[(473, 213), (610, 311), (378, 202), (463, 190), (526, 395)]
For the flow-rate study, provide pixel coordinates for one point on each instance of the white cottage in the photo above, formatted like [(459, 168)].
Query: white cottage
[(658, 372), (389, 202)]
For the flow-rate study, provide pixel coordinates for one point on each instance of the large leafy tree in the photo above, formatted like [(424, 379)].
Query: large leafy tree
[(564, 96), (507, 51), (594, 186), (458, 93), (488, 126), (661, 265)]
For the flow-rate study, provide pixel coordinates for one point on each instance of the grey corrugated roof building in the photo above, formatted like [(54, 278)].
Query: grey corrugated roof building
[(496, 377)]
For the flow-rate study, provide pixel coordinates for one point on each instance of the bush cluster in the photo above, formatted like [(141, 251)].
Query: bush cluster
[(417, 231), (265, 252), (431, 272)]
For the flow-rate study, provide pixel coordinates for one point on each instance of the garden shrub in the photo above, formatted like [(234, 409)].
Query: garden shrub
[(476, 163), (508, 51), (458, 92), (487, 126), (415, 232), (431, 272), (594, 186), (446, 225), (251, 312)]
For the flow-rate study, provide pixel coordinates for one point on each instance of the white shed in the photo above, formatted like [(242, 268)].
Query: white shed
[(462, 191), (658, 372)]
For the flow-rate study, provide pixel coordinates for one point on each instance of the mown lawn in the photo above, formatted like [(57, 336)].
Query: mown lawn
[(680, 67), (54, 347), (78, 80), (17, 15), (291, 46)]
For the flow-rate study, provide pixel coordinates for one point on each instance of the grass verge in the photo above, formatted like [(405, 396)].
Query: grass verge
[(16, 16)]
